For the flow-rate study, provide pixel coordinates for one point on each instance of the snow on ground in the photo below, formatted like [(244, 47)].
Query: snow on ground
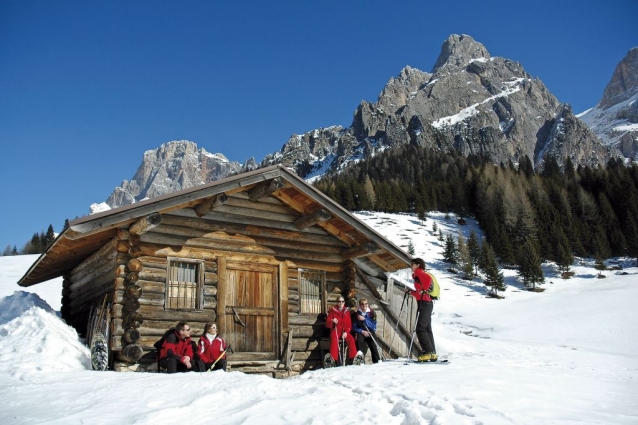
[(568, 355)]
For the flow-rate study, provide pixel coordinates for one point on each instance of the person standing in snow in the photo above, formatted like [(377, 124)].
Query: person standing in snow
[(176, 354), (340, 325), (211, 348), (422, 283), (364, 327)]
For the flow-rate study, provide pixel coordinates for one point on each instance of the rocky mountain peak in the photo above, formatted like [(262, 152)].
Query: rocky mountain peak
[(615, 118), (173, 166), (624, 81), (458, 50)]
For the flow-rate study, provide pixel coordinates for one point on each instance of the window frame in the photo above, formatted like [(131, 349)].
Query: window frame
[(199, 291), (321, 293)]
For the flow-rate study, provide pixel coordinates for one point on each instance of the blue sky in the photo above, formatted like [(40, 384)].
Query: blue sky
[(87, 87)]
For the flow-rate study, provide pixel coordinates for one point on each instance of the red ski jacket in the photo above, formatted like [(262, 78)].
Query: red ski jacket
[(344, 323), (422, 282), (176, 348), (210, 351)]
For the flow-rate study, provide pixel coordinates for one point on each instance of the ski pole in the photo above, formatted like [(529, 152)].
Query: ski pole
[(343, 352), (379, 350), (416, 323), (228, 348), (405, 296), (338, 348)]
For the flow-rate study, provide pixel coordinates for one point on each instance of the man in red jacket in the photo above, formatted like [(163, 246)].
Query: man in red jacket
[(176, 353), (422, 283), (340, 325)]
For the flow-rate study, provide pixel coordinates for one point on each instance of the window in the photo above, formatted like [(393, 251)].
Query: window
[(311, 289), (183, 286)]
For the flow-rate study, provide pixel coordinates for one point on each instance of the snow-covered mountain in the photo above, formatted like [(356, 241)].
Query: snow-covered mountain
[(615, 118), (173, 166), (563, 356), (471, 102)]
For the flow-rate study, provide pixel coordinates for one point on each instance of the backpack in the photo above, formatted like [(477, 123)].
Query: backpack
[(158, 344), (435, 290)]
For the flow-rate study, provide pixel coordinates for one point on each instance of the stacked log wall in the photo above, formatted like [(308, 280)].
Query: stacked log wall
[(87, 284), (139, 315), (240, 230)]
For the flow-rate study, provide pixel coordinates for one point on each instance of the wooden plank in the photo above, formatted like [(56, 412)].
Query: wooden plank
[(250, 311), (283, 299), (222, 288), (106, 251), (208, 225), (145, 224), (308, 220)]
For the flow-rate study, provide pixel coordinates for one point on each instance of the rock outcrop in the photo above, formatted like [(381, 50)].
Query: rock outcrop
[(173, 166), (471, 102), (615, 118)]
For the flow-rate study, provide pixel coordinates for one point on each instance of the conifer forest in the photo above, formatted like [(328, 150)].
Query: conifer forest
[(553, 214)]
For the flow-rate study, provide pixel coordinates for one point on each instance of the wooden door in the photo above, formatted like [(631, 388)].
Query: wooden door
[(249, 311)]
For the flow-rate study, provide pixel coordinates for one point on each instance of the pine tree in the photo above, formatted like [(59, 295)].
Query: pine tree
[(48, 238), (473, 245), (494, 278), (565, 258), (465, 259), (421, 214), (411, 249), (369, 189), (451, 251), (530, 265)]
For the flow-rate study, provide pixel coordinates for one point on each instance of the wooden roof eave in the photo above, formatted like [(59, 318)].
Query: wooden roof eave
[(166, 203), (108, 221), (345, 215)]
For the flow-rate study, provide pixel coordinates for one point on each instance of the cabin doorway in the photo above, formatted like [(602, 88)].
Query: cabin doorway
[(248, 310)]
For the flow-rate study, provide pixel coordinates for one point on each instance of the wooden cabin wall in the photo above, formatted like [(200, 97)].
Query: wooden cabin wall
[(139, 316), (87, 284), (240, 231), (309, 329)]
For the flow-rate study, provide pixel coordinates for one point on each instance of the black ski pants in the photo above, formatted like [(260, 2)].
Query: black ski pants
[(203, 367), (424, 326), (172, 365), (364, 342)]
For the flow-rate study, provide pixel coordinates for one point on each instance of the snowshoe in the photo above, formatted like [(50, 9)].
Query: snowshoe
[(328, 361), (358, 359)]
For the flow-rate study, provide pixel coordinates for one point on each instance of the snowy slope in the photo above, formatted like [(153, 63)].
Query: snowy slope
[(568, 355)]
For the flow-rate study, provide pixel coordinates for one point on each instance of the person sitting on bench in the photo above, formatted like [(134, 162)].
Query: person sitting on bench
[(340, 325)]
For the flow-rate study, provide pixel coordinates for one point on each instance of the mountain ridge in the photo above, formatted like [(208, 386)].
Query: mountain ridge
[(471, 102)]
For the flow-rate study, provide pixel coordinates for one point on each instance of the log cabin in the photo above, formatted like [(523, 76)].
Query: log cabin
[(264, 254)]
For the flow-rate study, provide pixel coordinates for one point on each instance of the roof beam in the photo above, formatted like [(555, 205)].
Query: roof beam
[(359, 250), (145, 224), (312, 219), (265, 189), (210, 204)]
